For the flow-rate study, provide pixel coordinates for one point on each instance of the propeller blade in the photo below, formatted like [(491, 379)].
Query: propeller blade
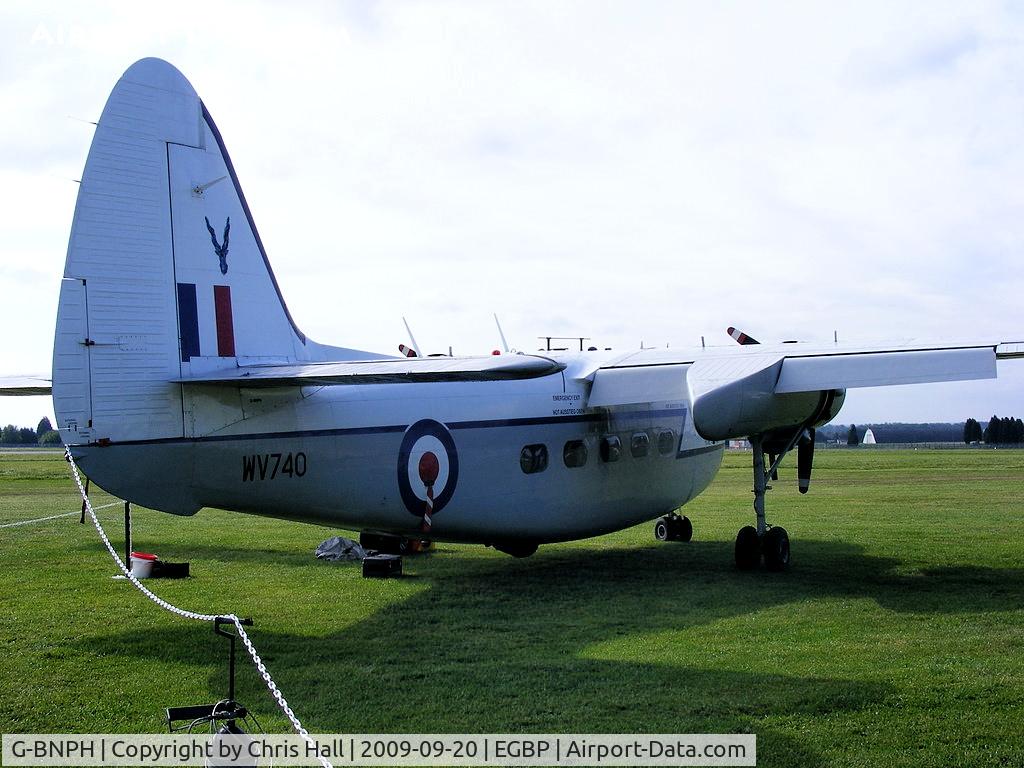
[(805, 460), (740, 337)]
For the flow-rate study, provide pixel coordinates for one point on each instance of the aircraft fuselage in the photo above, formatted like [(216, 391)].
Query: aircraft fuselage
[(512, 460)]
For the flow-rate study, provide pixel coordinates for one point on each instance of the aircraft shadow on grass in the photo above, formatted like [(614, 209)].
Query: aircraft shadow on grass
[(497, 645)]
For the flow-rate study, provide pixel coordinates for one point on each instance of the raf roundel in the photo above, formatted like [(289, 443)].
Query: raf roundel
[(428, 469)]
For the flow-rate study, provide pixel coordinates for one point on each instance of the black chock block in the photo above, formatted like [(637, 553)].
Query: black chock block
[(382, 566), (165, 570)]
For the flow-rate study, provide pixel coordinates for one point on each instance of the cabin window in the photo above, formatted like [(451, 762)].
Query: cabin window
[(574, 454), (639, 444), (533, 458), (611, 448), (666, 442)]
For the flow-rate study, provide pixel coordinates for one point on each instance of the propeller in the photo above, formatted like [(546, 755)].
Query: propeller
[(805, 459)]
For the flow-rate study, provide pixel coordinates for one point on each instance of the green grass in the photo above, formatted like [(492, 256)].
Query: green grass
[(896, 639)]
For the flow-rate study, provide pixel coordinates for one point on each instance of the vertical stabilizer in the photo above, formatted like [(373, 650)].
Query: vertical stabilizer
[(166, 275)]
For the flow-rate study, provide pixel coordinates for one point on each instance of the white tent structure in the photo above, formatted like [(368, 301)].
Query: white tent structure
[(869, 438)]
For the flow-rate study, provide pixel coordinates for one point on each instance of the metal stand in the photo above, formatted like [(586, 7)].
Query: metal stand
[(217, 624), (128, 533), (82, 520), (226, 710)]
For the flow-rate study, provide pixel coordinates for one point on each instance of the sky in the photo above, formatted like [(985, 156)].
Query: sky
[(640, 172)]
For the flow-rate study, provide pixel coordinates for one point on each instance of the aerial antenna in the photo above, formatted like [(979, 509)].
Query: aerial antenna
[(504, 344), (82, 120), (199, 189), (412, 338)]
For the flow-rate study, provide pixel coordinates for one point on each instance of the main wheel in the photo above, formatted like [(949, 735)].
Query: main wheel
[(776, 549), (748, 548), (663, 529), (682, 528)]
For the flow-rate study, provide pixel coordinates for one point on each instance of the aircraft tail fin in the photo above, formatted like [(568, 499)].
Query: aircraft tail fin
[(166, 275)]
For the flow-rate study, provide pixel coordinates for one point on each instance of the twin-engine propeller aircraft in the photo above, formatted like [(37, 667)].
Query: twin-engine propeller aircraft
[(181, 381)]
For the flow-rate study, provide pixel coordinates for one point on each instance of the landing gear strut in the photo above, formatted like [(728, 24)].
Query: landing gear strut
[(672, 527), (768, 542)]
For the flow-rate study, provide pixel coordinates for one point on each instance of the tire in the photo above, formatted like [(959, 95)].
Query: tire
[(683, 529), (748, 548), (776, 549), (663, 529)]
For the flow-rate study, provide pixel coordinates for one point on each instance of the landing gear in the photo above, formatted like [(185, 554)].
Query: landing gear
[(773, 546), (768, 542), (672, 527)]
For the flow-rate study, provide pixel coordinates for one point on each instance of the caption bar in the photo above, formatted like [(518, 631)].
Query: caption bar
[(205, 749)]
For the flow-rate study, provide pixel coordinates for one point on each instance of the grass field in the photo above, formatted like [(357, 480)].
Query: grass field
[(897, 638)]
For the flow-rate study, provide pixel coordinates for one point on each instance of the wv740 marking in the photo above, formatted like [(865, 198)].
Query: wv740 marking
[(269, 466)]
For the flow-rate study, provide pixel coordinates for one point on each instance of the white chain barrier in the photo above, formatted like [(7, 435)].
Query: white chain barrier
[(56, 517), (242, 635)]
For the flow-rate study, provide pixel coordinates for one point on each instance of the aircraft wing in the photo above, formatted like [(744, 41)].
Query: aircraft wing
[(24, 386), (400, 370), (745, 390)]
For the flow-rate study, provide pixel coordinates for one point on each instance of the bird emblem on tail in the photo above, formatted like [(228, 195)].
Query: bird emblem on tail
[(221, 249)]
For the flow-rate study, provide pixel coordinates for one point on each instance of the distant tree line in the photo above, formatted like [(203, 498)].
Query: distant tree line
[(43, 434), (998, 431)]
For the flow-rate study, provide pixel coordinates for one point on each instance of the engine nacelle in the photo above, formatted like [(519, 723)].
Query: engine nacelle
[(750, 406)]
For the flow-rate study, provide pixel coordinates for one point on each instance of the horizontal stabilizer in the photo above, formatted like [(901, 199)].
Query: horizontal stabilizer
[(406, 370), (23, 386)]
